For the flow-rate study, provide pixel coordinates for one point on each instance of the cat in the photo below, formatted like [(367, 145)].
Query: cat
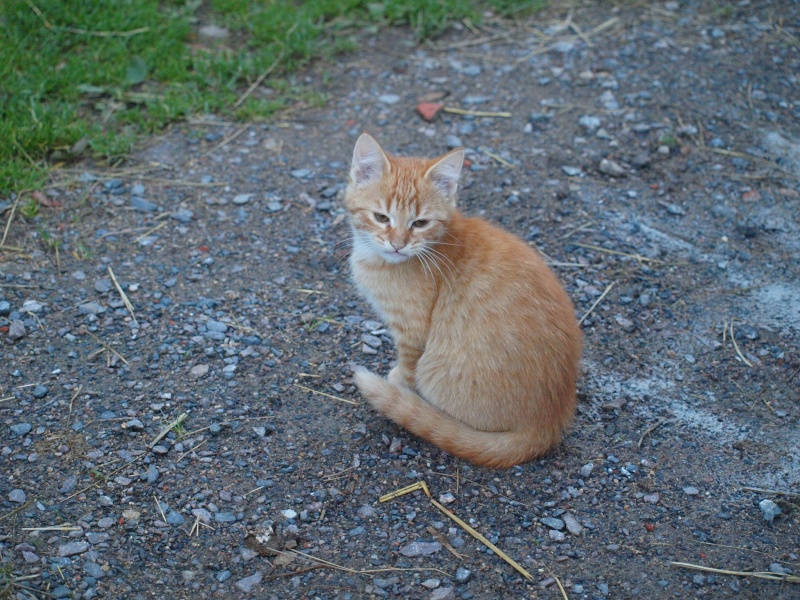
[(487, 340)]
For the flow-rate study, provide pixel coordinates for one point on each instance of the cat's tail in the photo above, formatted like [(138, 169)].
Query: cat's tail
[(494, 449)]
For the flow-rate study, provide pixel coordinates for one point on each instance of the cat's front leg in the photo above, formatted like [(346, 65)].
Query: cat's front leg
[(404, 373)]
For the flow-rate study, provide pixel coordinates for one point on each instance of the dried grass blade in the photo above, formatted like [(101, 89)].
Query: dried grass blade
[(401, 492), (483, 540), (736, 347), (596, 302), (122, 294), (308, 389), (476, 113), (169, 428), (758, 574)]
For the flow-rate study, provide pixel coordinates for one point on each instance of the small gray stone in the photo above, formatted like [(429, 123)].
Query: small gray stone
[(16, 330), (72, 548), (242, 199), (442, 593), (17, 496), (301, 173), (587, 469), (30, 557), (691, 490), (611, 168), (94, 570), (139, 203), (778, 568), (217, 326), (95, 537), (365, 511), (389, 98), (214, 32), (106, 522), (91, 308), (40, 391), (420, 549), (463, 575), (769, 510), (452, 141), (471, 70), (223, 576), (372, 341), (225, 517), (572, 171), (103, 286), (134, 425), (248, 583), (152, 474), (552, 523), (21, 428), (385, 583), (198, 371), (62, 592), (175, 518), (556, 535), (651, 498), (184, 215), (5, 308), (573, 526), (69, 485), (589, 122)]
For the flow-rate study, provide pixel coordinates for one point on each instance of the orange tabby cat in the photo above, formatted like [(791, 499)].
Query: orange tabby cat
[(487, 341)]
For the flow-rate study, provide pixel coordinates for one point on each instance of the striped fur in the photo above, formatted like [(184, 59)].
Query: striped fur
[(487, 341)]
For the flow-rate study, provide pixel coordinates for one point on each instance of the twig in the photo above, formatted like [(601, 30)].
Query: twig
[(7, 398), (596, 302), (168, 428), (150, 231), (10, 218), (258, 81), (65, 527), (476, 113), (333, 565), (227, 140), (758, 574), (776, 492), (158, 504), (444, 542), (497, 157), (127, 302), (302, 387), (561, 587), (106, 346), (736, 347), (638, 257), (420, 485), (651, 429)]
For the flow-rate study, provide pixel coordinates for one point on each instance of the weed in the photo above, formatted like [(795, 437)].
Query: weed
[(668, 140), (30, 208)]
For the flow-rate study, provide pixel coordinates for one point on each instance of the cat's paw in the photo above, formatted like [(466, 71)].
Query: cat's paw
[(401, 377)]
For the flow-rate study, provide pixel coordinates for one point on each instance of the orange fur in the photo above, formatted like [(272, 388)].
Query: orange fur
[(487, 341)]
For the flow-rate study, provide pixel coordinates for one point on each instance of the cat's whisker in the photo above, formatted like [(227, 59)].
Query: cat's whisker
[(447, 262), (425, 265), (424, 251)]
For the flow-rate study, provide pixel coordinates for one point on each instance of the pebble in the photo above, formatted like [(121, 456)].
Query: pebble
[(140, 204), (372, 341), (651, 498), (242, 199), (91, 308), (587, 469), (198, 371), (30, 557), (300, 173), (573, 526), (175, 518), (447, 498), (225, 517), (691, 491), (40, 391), (769, 510), (17, 496), (21, 428), (103, 286), (556, 535), (420, 549), (72, 548), (223, 576), (463, 575), (16, 330), (572, 171), (611, 168), (152, 474), (432, 583), (5, 308), (389, 98), (92, 569), (552, 523), (62, 592), (442, 593), (69, 485), (452, 141), (248, 583), (589, 122)]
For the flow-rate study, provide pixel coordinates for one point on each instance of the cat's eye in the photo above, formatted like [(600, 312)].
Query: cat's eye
[(419, 223), (380, 218)]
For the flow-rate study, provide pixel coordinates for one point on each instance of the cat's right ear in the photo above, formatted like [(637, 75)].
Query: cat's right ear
[(369, 161)]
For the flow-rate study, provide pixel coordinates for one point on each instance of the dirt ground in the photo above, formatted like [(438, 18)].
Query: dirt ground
[(652, 152)]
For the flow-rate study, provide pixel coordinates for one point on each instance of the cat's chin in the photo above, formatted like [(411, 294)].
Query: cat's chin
[(394, 257)]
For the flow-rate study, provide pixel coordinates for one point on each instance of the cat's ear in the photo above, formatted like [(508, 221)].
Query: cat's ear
[(444, 174), (369, 161)]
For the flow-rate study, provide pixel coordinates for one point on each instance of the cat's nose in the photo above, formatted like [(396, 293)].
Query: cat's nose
[(397, 245)]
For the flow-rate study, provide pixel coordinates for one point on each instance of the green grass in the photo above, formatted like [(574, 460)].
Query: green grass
[(89, 78)]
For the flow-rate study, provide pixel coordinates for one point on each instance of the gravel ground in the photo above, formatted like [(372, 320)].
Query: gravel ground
[(652, 152)]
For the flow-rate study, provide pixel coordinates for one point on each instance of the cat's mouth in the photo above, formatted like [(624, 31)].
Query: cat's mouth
[(394, 256)]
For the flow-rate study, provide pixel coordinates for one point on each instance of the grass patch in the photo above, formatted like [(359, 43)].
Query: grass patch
[(88, 78)]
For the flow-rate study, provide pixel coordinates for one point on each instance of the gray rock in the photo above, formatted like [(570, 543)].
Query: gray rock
[(223, 576), (641, 160), (611, 168), (589, 122), (385, 583), (787, 151), (198, 371), (21, 428), (769, 510), (556, 535), (139, 203), (248, 583), (372, 341), (5, 308), (572, 171), (152, 474), (587, 469), (452, 141), (40, 391), (365, 511), (106, 522), (184, 215), (69, 485), (552, 523), (651, 498), (389, 98), (95, 537), (134, 425), (92, 569), (242, 199), (573, 526), (103, 286), (420, 549), (225, 517), (18, 496), (16, 330), (91, 308), (72, 548), (62, 592), (30, 557), (217, 326), (442, 593), (301, 173), (463, 575), (175, 518), (691, 490)]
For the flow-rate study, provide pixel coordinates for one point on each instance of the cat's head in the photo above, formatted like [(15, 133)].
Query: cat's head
[(399, 207)]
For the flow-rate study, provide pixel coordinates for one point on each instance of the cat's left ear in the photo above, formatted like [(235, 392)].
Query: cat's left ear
[(444, 174), (369, 161)]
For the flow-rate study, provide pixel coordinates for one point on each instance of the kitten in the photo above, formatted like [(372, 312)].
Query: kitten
[(487, 341)]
